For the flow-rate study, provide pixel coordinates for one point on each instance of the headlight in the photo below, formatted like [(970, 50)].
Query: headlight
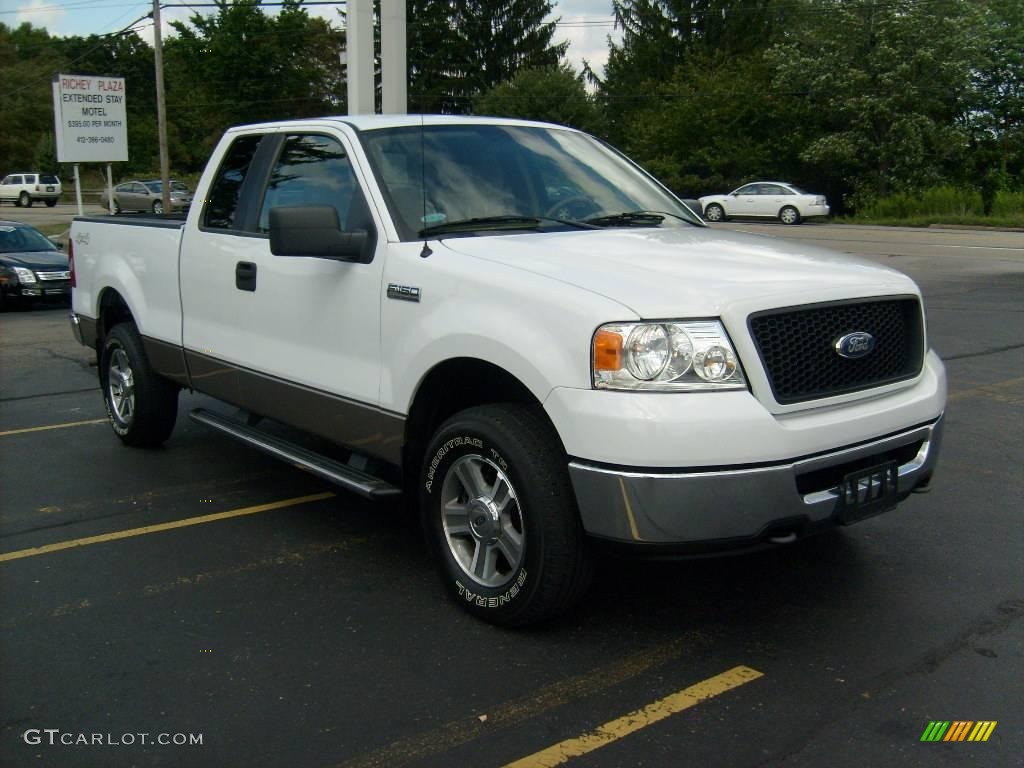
[(25, 276), (677, 356)]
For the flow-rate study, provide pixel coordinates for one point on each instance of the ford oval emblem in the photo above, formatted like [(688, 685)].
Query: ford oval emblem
[(856, 345)]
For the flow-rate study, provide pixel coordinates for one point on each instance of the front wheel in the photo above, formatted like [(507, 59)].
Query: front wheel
[(714, 212), (499, 513), (142, 405), (789, 215)]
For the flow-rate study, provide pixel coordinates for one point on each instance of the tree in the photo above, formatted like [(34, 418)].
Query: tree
[(242, 66), (552, 94), (997, 123), (660, 35), (28, 59), (889, 86), (498, 38), (715, 124)]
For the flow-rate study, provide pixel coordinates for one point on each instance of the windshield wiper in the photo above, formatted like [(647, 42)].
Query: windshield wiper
[(635, 219), (497, 223)]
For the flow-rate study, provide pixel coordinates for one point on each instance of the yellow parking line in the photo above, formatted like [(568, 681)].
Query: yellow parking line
[(60, 545), (426, 746), (641, 718), (52, 426)]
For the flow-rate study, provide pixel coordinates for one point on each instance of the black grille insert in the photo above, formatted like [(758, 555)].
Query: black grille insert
[(797, 346)]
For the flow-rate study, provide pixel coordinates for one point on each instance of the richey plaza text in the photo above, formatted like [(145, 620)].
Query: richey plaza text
[(92, 96)]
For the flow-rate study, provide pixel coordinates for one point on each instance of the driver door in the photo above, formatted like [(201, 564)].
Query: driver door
[(744, 201), (290, 337)]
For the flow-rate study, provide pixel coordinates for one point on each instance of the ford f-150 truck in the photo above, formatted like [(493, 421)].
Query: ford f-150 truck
[(523, 332)]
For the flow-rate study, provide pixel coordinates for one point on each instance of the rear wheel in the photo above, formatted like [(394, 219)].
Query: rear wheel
[(789, 215), (714, 212), (51, 202), (500, 515), (141, 404)]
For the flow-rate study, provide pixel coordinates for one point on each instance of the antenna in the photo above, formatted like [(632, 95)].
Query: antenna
[(423, 182)]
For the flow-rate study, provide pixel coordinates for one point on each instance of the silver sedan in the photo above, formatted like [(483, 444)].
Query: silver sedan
[(147, 196)]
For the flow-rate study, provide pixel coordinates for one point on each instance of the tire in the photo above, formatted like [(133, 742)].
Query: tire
[(51, 202), (789, 215), (714, 212), (141, 405), (158, 207), (510, 548), (117, 207), (25, 200)]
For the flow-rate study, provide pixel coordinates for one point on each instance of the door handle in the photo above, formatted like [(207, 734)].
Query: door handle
[(245, 276)]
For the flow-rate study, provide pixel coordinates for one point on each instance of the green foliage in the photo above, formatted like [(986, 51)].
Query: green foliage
[(895, 108), (498, 38), (552, 94), (943, 204), (241, 65), (715, 125), (27, 55), (889, 84)]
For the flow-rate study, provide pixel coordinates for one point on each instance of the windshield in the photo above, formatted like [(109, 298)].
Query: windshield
[(157, 186), (23, 240), (442, 174)]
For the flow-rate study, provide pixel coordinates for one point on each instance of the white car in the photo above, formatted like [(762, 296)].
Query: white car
[(765, 199), (23, 189)]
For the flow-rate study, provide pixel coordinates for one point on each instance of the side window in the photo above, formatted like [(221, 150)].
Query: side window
[(750, 189), (772, 189), (16, 180), (313, 170), (223, 195)]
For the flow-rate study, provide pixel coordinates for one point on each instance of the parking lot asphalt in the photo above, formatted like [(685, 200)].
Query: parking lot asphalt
[(204, 589)]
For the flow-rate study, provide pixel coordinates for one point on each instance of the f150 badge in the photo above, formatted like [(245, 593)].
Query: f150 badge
[(403, 292), (855, 345)]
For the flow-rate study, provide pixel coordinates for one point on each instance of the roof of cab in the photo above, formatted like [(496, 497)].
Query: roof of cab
[(372, 122)]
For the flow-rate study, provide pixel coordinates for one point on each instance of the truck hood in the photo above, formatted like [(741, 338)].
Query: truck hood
[(661, 273)]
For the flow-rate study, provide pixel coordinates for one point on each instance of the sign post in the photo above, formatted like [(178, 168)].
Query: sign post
[(90, 123)]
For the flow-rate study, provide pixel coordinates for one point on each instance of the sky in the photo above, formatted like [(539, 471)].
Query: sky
[(586, 24)]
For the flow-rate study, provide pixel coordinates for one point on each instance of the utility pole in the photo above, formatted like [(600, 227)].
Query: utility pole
[(161, 110), (393, 68), (359, 45)]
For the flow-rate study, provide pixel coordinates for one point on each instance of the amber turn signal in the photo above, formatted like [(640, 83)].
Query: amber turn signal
[(607, 351)]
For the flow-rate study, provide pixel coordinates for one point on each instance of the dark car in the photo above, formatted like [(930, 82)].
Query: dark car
[(32, 268)]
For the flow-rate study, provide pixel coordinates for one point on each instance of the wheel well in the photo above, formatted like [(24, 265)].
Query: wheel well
[(448, 388), (113, 310)]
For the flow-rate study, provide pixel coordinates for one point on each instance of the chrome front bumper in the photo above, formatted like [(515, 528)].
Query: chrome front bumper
[(741, 505)]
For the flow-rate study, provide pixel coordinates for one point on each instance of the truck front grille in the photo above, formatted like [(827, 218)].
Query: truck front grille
[(54, 275), (797, 346)]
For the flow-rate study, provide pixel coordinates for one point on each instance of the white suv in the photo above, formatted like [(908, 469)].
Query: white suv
[(23, 189)]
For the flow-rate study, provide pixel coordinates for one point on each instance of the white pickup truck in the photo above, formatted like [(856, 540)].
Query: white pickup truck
[(522, 331)]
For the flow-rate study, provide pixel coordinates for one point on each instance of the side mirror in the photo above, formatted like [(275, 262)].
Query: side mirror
[(314, 230), (695, 206)]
